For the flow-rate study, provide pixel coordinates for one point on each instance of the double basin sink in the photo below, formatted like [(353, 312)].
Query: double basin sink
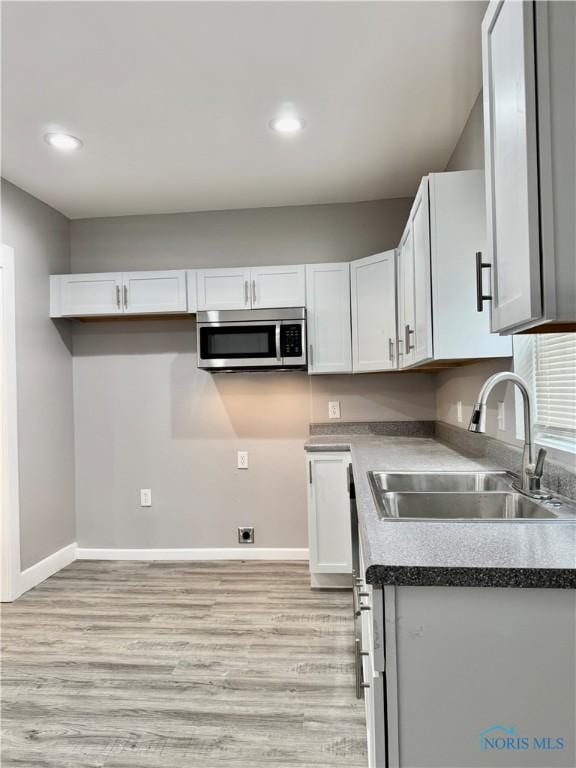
[(464, 497)]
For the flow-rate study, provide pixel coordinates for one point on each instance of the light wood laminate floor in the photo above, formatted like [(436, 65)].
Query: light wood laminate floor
[(179, 665)]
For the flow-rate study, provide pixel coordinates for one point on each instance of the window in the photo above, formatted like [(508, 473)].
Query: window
[(548, 363)]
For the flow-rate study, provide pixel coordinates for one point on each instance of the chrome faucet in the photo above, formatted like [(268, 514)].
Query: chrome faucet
[(531, 470)]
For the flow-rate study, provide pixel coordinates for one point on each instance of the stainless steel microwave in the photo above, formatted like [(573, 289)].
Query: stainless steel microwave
[(250, 340)]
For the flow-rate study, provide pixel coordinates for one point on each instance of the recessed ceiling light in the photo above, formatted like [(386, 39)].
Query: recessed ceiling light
[(287, 124), (62, 141)]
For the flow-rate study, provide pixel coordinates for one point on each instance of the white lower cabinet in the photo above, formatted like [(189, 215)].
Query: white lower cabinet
[(328, 318), (465, 668), (329, 531), (370, 663)]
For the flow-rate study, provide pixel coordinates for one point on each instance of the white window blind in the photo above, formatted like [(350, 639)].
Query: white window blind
[(548, 363)]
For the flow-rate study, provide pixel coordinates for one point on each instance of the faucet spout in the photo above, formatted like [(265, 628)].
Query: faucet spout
[(530, 478)]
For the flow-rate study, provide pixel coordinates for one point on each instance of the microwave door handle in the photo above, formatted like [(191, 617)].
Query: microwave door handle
[(278, 356)]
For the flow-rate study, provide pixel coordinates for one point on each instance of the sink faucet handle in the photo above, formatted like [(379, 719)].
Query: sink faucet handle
[(535, 471), (540, 459)]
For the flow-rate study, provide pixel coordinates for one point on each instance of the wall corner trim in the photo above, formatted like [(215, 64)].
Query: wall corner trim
[(39, 572), (228, 553)]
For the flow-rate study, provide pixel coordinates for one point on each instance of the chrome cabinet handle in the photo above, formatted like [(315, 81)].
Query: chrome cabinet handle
[(407, 333), (481, 297), (358, 653), (310, 472), (365, 608), (118, 296), (399, 349), (391, 350), (253, 292), (125, 297), (246, 297), (358, 668), (311, 354)]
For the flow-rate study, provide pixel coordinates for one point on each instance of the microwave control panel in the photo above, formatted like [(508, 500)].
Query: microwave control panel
[(291, 340)]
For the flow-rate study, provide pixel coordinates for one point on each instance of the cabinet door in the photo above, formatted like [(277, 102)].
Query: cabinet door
[(89, 294), (154, 292), (328, 318), (374, 312), (406, 314), (421, 338), (510, 135), (223, 288), (329, 534), (274, 287)]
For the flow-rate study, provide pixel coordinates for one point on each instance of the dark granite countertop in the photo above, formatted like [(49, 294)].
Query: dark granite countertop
[(426, 553)]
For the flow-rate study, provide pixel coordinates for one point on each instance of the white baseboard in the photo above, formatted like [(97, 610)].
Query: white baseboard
[(229, 553), (39, 572)]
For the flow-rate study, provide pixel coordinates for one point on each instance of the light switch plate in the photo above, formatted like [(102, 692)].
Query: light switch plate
[(334, 409), (242, 460), (145, 497)]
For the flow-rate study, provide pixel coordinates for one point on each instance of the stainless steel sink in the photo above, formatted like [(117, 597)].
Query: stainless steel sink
[(443, 481), (462, 496)]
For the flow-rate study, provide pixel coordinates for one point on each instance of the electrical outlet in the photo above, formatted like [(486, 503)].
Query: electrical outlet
[(242, 460), (145, 497), (334, 409), (459, 411), (246, 534), (501, 416)]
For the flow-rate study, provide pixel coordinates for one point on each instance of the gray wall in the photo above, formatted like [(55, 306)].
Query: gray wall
[(464, 383), (146, 417), (40, 238), (468, 154), (291, 235)]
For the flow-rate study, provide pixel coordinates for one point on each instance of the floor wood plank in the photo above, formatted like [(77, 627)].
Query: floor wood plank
[(180, 665)]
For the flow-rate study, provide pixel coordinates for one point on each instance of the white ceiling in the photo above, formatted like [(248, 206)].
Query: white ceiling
[(173, 100)]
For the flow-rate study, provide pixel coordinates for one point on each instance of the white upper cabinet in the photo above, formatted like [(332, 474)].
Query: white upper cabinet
[(84, 295), (405, 298), (421, 338), (512, 164), (256, 288), (118, 293), (274, 287), (414, 301), (154, 292), (227, 288), (529, 77), (328, 318), (438, 317), (373, 299)]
